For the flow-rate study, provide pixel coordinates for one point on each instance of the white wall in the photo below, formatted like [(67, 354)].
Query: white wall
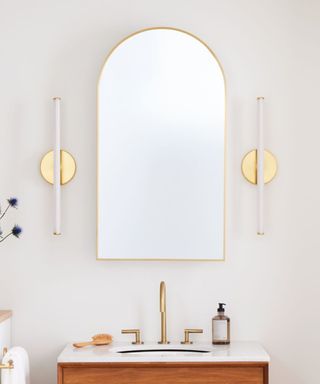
[(57, 290)]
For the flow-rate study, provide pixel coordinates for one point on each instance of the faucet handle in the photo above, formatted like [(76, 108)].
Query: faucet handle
[(136, 332), (187, 334)]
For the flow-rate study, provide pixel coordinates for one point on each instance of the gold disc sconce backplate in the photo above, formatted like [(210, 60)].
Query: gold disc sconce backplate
[(68, 167), (249, 166)]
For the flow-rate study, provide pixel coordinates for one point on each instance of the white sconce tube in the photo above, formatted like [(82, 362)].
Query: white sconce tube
[(57, 168), (260, 166)]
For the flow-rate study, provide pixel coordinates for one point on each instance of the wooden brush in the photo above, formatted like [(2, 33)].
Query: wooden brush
[(101, 339)]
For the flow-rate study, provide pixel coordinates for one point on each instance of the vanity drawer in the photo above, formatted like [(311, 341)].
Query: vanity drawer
[(163, 373)]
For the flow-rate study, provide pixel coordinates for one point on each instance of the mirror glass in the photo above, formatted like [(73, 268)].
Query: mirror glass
[(161, 149)]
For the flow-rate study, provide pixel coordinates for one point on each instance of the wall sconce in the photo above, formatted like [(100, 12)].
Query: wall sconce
[(57, 167), (259, 166)]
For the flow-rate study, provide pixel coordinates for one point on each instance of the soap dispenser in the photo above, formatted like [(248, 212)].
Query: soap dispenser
[(221, 327)]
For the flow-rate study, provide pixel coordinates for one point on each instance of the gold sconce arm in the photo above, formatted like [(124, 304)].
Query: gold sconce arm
[(137, 334), (187, 335)]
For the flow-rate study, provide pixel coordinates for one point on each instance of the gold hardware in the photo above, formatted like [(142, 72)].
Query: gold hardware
[(163, 311), (137, 334), (67, 171), (187, 335), (9, 365), (249, 166)]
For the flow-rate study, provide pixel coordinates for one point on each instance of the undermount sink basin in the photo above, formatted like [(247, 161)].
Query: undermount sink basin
[(161, 350)]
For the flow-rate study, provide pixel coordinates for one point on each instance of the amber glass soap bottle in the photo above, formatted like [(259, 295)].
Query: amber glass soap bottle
[(221, 327)]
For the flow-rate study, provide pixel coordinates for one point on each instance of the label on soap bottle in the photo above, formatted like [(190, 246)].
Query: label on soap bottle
[(220, 330)]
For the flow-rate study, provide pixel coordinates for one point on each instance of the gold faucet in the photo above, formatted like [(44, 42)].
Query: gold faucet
[(163, 312)]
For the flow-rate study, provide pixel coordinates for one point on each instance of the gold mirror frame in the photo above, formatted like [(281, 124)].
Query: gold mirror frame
[(225, 144)]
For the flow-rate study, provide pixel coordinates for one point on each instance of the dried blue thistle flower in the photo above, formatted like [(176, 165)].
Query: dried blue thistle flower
[(16, 231), (13, 202)]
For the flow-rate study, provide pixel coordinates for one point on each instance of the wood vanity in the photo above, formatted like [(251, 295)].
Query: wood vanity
[(99, 365), (163, 373)]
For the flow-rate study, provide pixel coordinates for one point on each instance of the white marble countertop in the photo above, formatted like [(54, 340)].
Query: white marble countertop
[(237, 351)]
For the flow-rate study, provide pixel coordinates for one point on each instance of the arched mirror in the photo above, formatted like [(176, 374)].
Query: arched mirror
[(161, 149)]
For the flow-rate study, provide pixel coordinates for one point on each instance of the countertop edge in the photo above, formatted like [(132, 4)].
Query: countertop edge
[(262, 360)]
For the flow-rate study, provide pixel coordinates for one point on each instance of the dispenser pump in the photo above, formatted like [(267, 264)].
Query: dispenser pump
[(221, 307)]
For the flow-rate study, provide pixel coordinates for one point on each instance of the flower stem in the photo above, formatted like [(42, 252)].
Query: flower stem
[(5, 211), (3, 239)]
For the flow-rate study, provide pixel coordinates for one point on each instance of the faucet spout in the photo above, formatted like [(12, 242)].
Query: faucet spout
[(162, 297), (163, 312)]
